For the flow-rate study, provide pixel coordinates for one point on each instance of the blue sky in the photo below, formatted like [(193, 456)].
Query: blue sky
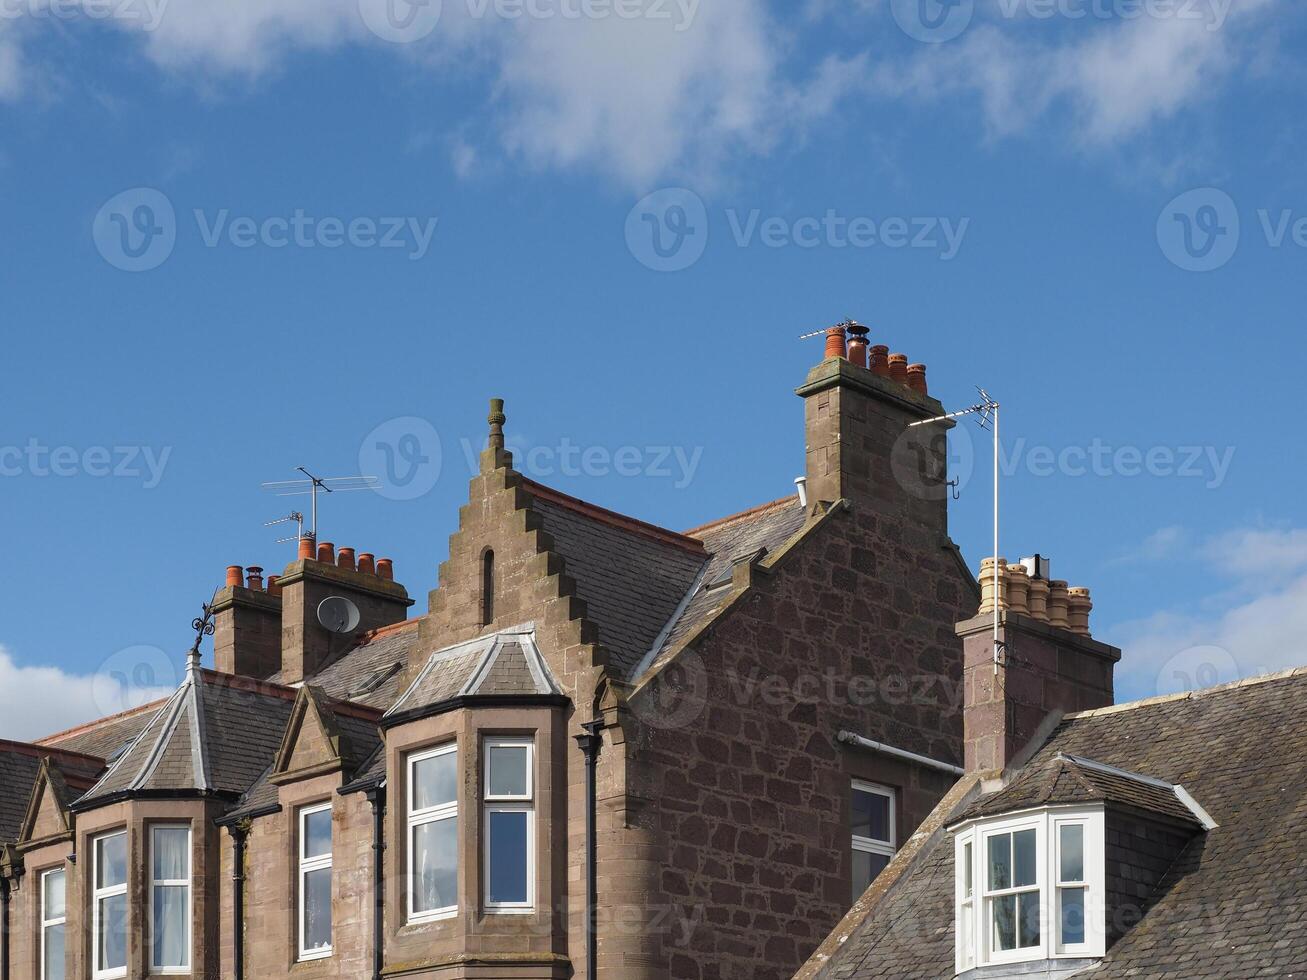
[(249, 236)]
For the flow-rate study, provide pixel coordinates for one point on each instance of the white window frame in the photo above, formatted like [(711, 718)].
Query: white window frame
[(869, 845), (419, 818), (502, 803), (305, 865), (58, 920), (173, 882), (98, 895), (973, 916)]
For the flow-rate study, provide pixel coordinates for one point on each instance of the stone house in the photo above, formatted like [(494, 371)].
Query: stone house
[(608, 749)]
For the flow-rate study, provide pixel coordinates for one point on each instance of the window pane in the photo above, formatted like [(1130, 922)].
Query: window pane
[(170, 914), (435, 865), (54, 954), (865, 868), (1071, 851), (968, 886), (871, 815), (111, 939), (317, 834), (111, 861), (54, 895), (508, 770), (172, 853), (1005, 922), (1000, 862), (1073, 916), (1028, 921), (1023, 852), (435, 781), (506, 876), (317, 910)]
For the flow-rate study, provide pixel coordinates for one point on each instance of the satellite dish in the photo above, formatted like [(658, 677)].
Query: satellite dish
[(338, 615)]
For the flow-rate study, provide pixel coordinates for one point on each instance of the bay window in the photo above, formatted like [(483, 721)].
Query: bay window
[(873, 833), (53, 923), (508, 824), (1030, 887), (170, 898), (314, 885), (109, 906), (433, 779)]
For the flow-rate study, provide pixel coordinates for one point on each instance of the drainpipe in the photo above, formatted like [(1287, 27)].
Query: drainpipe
[(238, 832), (590, 744), (377, 797), (4, 899)]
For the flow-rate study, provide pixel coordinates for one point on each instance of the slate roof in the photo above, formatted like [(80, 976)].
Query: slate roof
[(1233, 905), (103, 737), (215, 735), (371, 672), (506, 662), (20, 763), (632, 576)]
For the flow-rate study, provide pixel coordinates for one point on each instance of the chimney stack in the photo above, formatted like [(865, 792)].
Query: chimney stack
[(1046, 666), (247, 625)]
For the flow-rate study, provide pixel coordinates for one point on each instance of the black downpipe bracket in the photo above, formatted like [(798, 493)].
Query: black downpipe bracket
[(238, 832), (377, 797), (590, 744)]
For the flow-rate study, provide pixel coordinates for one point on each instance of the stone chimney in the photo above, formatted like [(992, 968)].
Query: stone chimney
[(860, 446), (1047, 661), (305, 644), (247, 625)]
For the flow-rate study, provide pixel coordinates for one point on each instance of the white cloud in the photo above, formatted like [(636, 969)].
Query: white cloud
[(1256, 624), (37, 701)]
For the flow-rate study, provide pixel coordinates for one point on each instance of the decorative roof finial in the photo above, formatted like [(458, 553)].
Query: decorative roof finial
[(203, 626), (497, 418)]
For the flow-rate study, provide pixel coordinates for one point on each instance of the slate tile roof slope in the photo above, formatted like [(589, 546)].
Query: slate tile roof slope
[(20, 763), (216, 733), (1063, 780), (1233, 905), (103, 737), (632, 576), (370, 673)]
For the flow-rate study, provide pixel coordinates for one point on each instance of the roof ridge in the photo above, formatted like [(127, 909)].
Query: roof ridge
[(613, 518), (87, 726), (369, 635), (752, 511), (242, 682), (1202, 692)]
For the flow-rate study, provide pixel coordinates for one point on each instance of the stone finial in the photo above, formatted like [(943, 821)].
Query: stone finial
[(497, 418)]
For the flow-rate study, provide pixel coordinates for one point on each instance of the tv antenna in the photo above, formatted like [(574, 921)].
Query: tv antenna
[(986, 412), (296, 517), (850, 324), (311, 485)]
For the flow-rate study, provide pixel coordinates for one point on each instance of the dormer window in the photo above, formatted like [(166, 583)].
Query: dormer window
[(1029, 887)]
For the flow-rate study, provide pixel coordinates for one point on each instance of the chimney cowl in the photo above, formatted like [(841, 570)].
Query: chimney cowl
[(255, 581), (801, 484)]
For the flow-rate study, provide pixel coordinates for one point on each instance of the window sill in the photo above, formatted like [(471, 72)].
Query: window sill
[(509, 910), (1041, 969), (426, 918), (317, 954)]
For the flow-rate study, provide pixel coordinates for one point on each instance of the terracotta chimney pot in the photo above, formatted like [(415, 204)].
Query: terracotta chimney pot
[(274, 587), (1017, 584), (1078, 607), (386, 569), (879, 363), (835, 343), (858, 345), (898, 368), (255, 582), (235, 575), (345, 558), (987, 593), (367, 564), (327, 553), (917, 378), (1057, 604), (306, 547), (1038, 599)]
